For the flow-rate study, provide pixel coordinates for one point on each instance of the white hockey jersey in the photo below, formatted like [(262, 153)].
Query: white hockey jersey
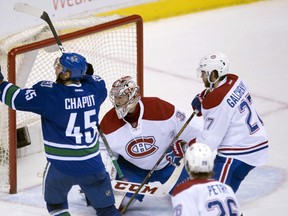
[(143, 143), (231, 123), (204, 197)]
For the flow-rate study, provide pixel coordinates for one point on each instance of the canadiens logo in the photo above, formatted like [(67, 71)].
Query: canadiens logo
[(141, 147)]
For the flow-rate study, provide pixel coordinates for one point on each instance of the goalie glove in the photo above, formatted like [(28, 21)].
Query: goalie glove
[(176, 152)]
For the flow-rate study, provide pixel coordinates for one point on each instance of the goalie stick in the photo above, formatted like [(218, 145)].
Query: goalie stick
[(157, 163), (152, 188), (36, 12), (110, 153)]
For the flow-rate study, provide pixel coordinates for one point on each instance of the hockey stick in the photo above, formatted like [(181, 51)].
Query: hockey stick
[(33, 11), (149, 189), (110, 153), (157, 163)]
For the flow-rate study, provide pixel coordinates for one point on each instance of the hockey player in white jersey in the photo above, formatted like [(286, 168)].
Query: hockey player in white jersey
[(231, 124), (139, 130), (202, 195), (69, 111)]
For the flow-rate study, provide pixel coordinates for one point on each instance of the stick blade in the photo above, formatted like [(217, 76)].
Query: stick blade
[(28, 9)]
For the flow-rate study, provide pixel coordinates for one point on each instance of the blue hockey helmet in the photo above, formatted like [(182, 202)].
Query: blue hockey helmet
[(75, 63)]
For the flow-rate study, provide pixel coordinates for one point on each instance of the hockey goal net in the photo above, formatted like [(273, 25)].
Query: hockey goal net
[(114, 45)]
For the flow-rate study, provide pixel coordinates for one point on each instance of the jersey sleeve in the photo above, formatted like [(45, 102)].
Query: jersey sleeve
[(26, 99)]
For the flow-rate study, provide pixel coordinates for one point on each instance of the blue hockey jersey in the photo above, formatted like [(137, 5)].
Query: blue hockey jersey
[(69, 117)]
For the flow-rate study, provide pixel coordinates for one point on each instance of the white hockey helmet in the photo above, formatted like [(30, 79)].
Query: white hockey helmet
[(198, 158), (121, 87), (214, 61)]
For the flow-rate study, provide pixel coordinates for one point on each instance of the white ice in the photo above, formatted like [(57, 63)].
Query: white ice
[(255, 38)]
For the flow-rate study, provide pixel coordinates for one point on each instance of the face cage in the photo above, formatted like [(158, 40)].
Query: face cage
[(123, 110)]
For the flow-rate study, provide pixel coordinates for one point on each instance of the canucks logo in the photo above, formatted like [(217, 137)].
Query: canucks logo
[(73, 58), (141, 147), (48, 84)]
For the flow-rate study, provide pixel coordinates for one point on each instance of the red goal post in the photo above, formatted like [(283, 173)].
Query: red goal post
[(114, 45)]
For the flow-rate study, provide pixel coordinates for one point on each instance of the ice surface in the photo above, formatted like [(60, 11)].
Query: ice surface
[(255, 39)]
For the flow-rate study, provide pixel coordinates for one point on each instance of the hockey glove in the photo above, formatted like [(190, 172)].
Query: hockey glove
[(90, 69), (176, 152), (1, 75), (196, 104)]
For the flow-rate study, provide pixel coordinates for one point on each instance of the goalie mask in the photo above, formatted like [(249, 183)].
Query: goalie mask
[(124, 95), (211, 62), (198, 158), (72, 62)]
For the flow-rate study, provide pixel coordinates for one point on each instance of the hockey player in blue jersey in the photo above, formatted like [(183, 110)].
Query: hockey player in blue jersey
[(69, 111)]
